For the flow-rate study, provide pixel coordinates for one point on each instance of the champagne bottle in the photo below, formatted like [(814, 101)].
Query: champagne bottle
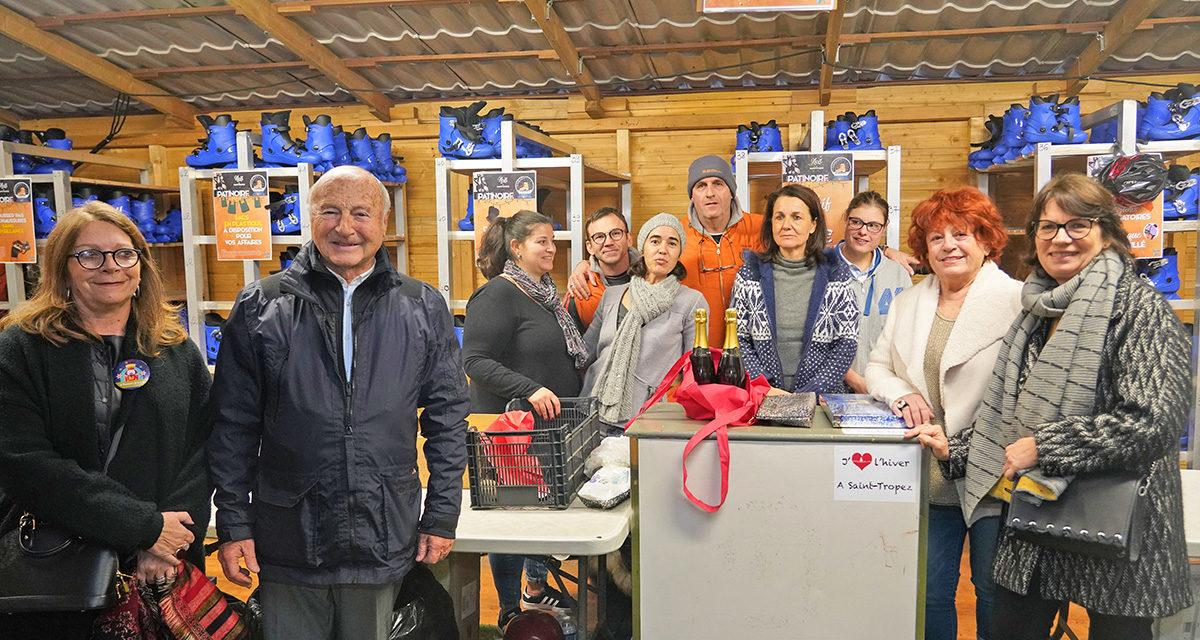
[(730, 370), (702, 363)]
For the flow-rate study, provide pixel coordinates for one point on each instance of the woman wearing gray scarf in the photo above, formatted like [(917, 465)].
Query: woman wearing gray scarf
[(640, 329), (1092, 377)]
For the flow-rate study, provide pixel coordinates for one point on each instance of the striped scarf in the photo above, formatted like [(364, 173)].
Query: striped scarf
[(545, 293), (1061, 383)]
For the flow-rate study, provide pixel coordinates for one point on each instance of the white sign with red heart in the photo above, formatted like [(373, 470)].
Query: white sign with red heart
[(876, 472)]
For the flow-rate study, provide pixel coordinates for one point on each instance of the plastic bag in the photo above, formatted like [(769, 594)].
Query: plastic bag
[(423, 610), (612, 451), (608, 488)]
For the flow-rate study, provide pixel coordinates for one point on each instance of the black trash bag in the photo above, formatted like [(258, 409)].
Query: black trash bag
[(423, 609), (251, 612)]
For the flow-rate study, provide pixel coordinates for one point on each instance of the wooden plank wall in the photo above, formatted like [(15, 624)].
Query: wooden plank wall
[(659, 136)]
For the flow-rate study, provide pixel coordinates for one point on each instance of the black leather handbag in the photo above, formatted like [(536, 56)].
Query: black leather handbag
[(43, 568), (1098, 514)]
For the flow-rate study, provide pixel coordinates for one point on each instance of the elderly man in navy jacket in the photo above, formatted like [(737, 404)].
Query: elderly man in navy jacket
[(314, 406)]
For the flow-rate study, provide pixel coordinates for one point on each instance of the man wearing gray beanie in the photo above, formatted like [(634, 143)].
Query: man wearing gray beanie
[(718, 232)]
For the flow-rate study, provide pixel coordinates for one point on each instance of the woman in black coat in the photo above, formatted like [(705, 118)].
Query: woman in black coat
[(99, 312)]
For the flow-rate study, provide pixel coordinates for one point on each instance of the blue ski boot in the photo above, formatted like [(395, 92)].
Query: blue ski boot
[(1162, 272), (458, 137), (23, 164), (1039, 123), (769, 138), (742, 142), (170, 228), (385, 165), (285, 213), (468, 221), (982, 158), (44, 217), (831, 134), (1184, 115), (319, 140), (1180, 196), (489, 130), (341, 148), (213, 325), (866, 130), (141, 211), (121, 202), (1069, 123), (55, 138), (842, 135), (1013, 138), (362, 154), (286, 257), (219, 148), (82, 196), (278, 147)]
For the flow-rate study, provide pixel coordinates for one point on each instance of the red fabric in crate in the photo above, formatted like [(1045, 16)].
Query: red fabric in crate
[(507, 453)]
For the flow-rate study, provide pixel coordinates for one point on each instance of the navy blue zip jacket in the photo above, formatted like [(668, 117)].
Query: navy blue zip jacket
[(332, 465)]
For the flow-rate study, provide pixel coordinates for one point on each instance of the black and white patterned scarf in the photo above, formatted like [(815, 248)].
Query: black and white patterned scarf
[(545, 293), (1063, 380)]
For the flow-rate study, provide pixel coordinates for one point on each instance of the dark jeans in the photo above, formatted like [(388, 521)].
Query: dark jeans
[(1028, 617), (947, 531), (506, 575)]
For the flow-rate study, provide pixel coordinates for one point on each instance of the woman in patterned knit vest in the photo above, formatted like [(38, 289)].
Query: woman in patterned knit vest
[(797, 314), (1092, 378), (932, 363)]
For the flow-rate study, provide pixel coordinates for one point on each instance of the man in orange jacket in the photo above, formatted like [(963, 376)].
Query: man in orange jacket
[(718, 232)]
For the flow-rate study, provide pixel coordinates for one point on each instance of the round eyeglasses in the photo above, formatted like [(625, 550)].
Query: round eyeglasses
[(615, 235), (1077, 228), (858, 223), (92, 259)]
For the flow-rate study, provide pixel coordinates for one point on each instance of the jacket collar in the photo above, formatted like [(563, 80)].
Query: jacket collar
[(308, 272)]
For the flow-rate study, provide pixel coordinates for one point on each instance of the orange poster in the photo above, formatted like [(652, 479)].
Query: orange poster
[(16, 222), (1143, 223), (243, 222), (831, 175), (499, 194)]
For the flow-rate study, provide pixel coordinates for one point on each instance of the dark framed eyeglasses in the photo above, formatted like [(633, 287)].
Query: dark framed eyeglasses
[(1077, 228), (92, 259), (615, 235), (858, 223)]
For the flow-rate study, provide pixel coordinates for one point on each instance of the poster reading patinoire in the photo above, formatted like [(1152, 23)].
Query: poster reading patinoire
[(243, 222)]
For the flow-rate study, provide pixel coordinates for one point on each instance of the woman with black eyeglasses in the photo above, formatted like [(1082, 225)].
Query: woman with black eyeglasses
[(876, 279), (1092, 378), (797, 316), (102, 420)]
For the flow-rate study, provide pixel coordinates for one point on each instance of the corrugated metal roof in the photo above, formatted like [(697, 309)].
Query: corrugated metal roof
[(673, 48)]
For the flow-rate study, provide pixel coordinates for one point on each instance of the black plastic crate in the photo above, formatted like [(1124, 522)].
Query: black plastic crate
[(543, 468)]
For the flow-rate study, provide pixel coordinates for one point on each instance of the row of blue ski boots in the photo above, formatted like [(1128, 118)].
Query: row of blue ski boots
[(1181, 197), (1171, 115), (1162, 273), (468, 134), (324, 147), (140, 210), (1018, 132), (852, 132), (53, 138), (759, 138)]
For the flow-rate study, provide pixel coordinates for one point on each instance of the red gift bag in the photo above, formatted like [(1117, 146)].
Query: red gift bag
[(722, 405)]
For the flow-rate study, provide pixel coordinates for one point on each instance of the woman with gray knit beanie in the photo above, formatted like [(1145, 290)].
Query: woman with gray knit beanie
[(1092, 378), (640, 329)]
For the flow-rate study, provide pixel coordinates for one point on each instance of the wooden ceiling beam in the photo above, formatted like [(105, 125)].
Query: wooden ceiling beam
[(552, 28), (24, 31), (833, 33), (305, 46), (1113, 37), (291, 7), (353, 63)]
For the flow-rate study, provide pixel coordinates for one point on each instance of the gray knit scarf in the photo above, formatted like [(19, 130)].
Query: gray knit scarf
[(1061, 383), (615, 384), (545, 293)]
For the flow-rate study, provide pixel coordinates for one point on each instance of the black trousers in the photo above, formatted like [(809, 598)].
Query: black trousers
[(1029, 617)]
